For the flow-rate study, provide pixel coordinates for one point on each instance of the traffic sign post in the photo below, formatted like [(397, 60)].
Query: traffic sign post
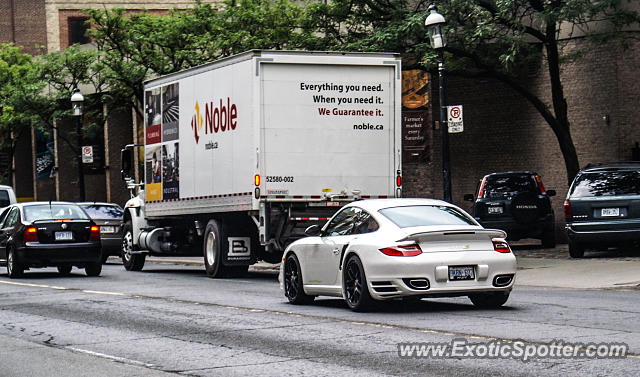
[(454, 119), (87, 154)]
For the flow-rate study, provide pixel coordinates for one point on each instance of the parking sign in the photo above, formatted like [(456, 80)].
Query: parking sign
[(454, 119)]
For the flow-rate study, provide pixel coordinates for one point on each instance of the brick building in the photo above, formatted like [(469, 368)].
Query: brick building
[(504, 132), (43, 166)]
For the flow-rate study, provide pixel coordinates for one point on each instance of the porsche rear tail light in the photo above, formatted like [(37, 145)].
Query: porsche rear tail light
[(501, 246), (567, 209), (94, 234), (540, 185), (481, 190), (30, 235), (409, 250)]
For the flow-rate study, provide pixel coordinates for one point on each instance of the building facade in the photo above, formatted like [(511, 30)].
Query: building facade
[(44, 165)]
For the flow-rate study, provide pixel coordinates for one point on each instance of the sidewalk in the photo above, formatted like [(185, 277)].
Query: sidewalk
[(536, 267)]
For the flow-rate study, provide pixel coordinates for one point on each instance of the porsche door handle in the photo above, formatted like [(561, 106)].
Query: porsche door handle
[(336, 251)]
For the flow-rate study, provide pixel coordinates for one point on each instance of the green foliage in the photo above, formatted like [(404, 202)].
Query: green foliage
[(18, 79), (138, 46)]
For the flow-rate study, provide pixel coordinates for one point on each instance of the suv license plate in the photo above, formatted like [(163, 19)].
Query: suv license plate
[(461, 273), (608, 212), (64, 236), (494, 210)]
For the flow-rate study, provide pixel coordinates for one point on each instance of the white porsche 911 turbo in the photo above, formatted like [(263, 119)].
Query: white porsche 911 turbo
[(382, 249)]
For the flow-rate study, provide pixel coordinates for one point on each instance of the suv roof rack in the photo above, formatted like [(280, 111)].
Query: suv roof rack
[(616, 164)]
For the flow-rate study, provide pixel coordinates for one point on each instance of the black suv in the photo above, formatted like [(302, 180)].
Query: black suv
[(517, 203), (602, 208)]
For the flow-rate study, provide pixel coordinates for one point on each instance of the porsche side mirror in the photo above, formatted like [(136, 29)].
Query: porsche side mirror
[(313, 230)]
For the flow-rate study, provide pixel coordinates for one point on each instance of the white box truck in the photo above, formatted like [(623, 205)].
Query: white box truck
[(244, 153)]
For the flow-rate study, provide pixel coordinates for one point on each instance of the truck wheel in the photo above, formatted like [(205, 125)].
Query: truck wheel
[(131, 262), (214, 243)]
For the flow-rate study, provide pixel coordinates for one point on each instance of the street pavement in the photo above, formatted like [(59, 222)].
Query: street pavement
[(537, 267), (170, 319)]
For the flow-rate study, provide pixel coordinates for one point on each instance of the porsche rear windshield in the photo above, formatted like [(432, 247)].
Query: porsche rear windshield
[(53, 212), (410, 216), (607, 183)]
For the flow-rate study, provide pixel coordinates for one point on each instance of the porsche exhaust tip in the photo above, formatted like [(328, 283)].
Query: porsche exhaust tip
[(502, 280), (420, 284)]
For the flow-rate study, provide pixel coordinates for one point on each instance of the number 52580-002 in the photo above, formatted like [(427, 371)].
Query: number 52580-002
[(278, 178)]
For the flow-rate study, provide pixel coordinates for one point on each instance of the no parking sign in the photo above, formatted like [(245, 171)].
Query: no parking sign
[(454, 119), (87, 154)]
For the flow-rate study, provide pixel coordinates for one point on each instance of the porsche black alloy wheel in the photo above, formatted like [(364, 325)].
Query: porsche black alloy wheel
[(293, 289)]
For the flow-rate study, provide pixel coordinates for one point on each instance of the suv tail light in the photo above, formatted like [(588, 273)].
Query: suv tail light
[(30, 235), (409, 250), (567, 208), (540, 185), (481, 190), (501, 246), (94, 234)]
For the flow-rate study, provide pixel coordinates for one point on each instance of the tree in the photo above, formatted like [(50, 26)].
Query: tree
[(486, 38), (17, 76), (36, 91), (138, 46)]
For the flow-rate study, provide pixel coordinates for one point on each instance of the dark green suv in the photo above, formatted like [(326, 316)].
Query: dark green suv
[(517, 203), (602, 208)]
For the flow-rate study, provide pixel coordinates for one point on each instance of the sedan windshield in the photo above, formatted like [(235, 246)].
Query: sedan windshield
[(53, 212), (609, 183), (99, 211), (410, 216)]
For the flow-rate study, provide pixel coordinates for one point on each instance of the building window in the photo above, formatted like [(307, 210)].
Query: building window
[(78, 30)]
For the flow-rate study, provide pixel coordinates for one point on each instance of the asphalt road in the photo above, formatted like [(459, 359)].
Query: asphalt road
[(172, 319)]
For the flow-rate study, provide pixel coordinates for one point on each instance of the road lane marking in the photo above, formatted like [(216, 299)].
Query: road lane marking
[(33, 285), (292, 314), (104, 293), (110, 357)]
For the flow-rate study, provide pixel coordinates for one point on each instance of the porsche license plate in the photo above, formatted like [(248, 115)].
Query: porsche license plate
[(64, 236), (609, 212), (461, 273), (107, 229)]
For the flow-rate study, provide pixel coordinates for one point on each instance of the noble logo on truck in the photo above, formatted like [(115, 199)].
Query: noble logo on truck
[(217, 118)]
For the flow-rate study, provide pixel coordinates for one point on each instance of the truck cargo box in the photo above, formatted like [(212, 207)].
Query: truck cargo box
[(268, 126)]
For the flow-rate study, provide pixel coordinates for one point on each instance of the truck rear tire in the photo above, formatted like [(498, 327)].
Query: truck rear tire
[(214, 242), (131, 262)]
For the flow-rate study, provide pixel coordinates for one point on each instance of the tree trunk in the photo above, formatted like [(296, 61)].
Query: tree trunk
[(562, 128)]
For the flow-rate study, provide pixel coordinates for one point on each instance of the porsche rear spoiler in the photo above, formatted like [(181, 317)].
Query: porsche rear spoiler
[(443, 234)]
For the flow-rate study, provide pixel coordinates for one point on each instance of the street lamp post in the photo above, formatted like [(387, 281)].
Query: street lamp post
[(434, 22), (77, 103)]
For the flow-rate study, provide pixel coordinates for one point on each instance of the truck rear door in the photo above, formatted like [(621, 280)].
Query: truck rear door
[(328, 130)]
